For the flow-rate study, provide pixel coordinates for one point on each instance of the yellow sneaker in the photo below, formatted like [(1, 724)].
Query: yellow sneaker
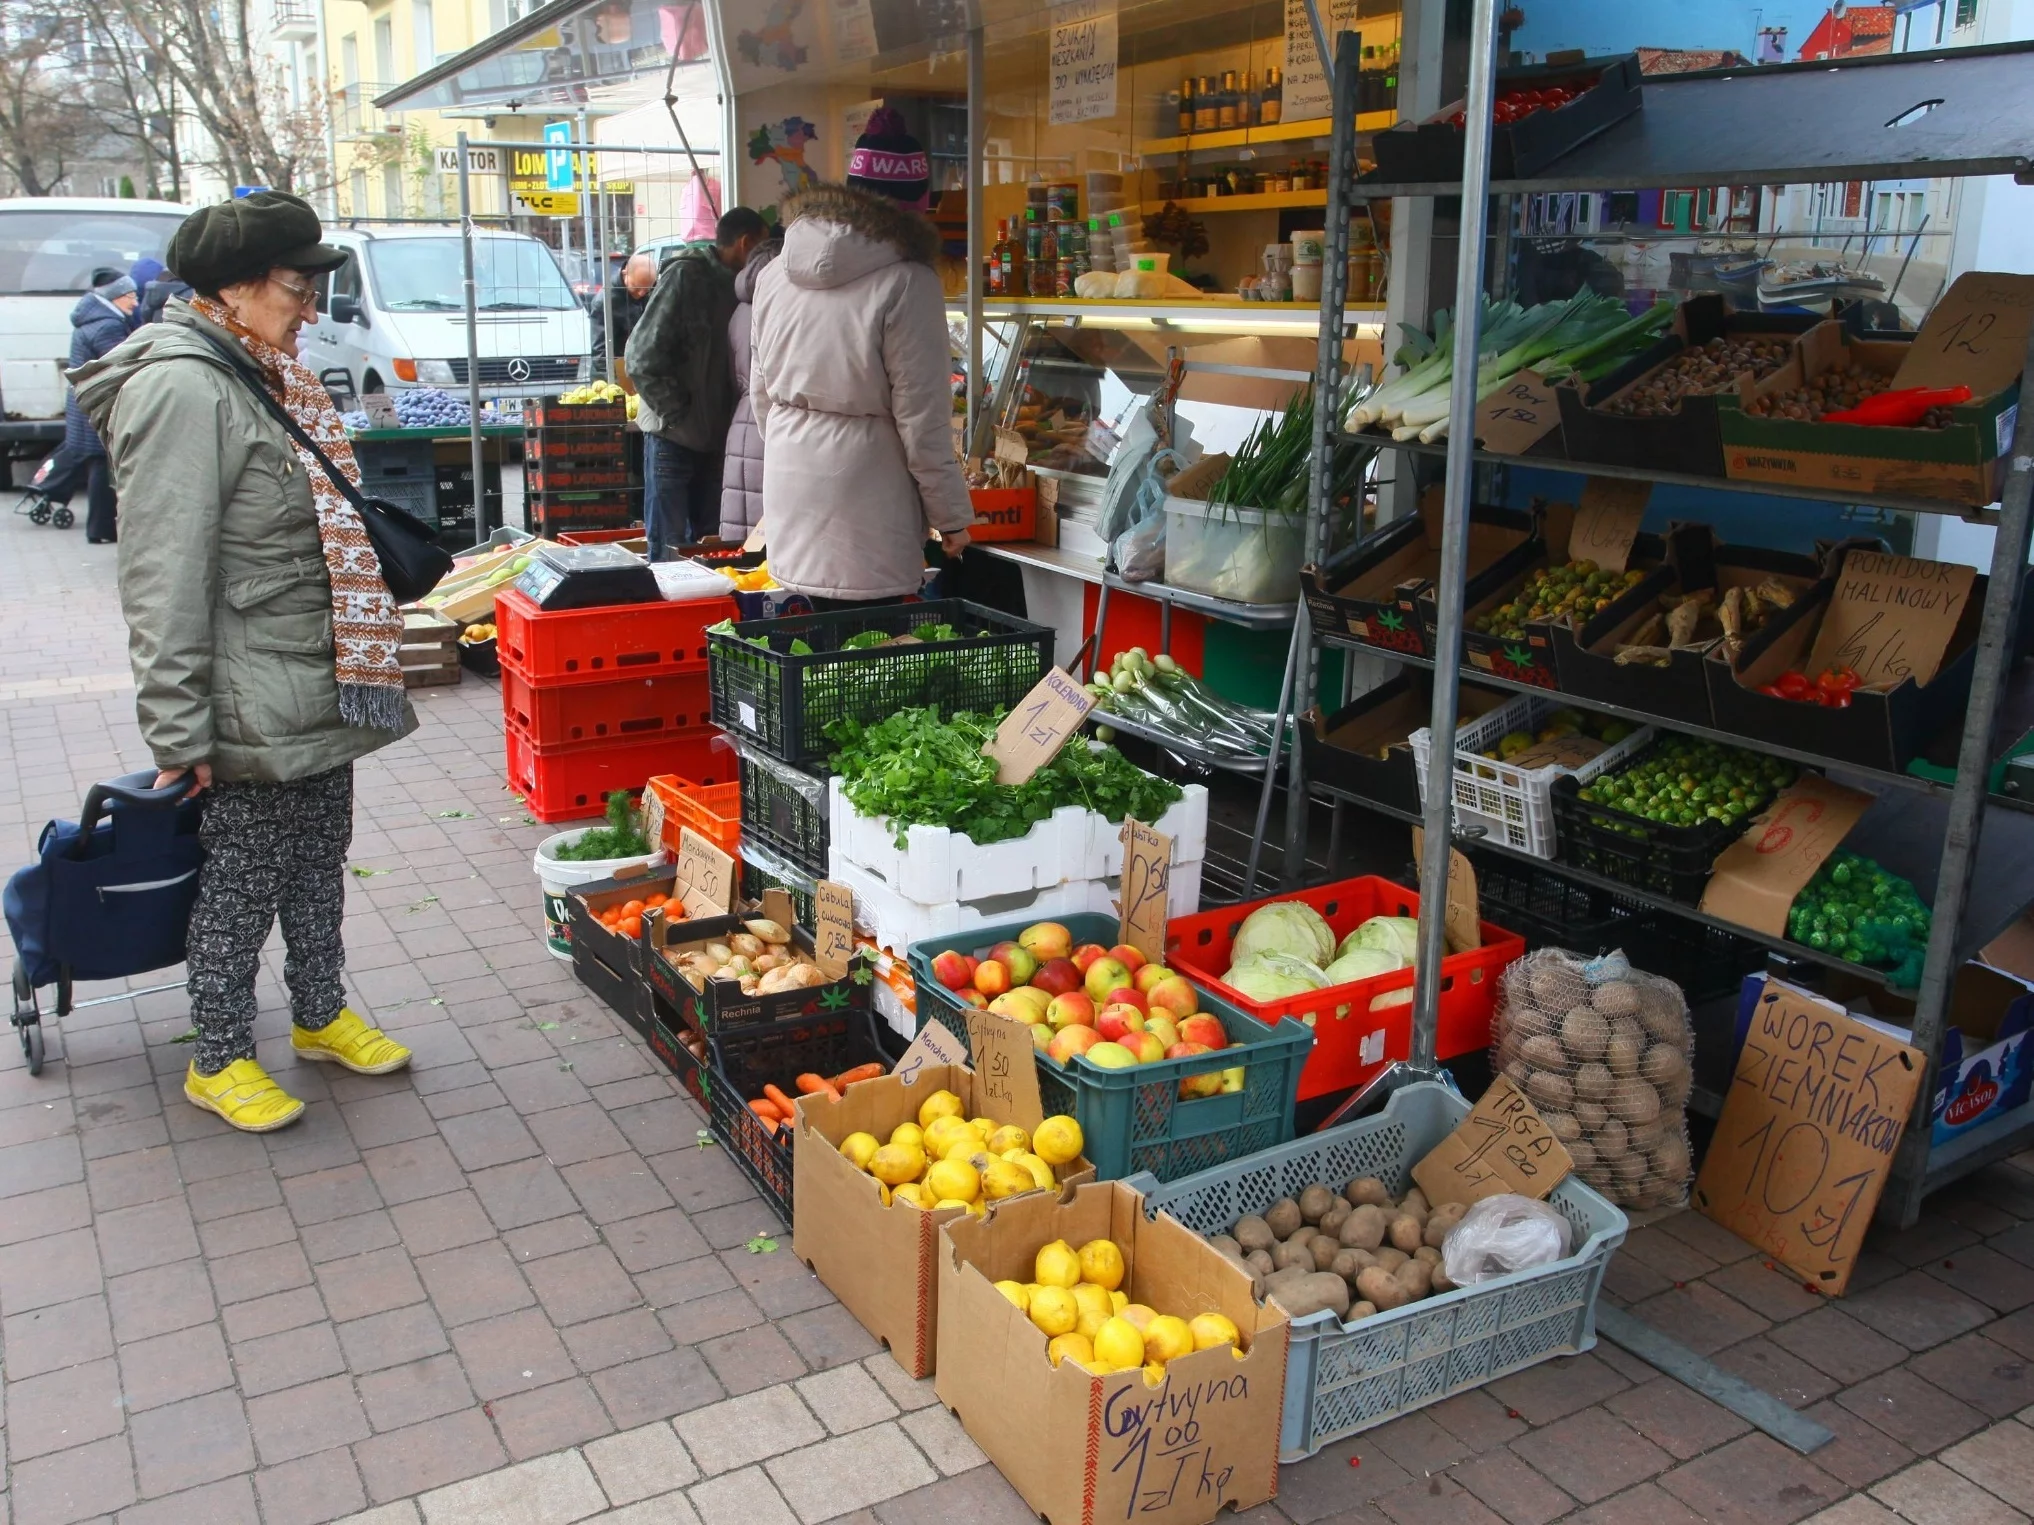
[(244, 1095), (347, 1040)]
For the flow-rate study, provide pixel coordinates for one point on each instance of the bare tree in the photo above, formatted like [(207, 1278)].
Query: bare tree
[(45, 128), (136, 101)]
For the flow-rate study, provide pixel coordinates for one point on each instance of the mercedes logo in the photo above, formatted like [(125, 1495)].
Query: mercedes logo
[(519, 369)]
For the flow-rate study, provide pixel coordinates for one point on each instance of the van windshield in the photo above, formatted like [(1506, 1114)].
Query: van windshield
[(47, 253), (427, 275)]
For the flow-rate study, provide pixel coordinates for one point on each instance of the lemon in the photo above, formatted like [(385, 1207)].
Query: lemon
[(1102, 1264), (1118, 1345), (1002, 1179), (941, 1133), (1118, 1301), (1058, 1266), (984, 1125), (913, 1194), (939, 1104), (1166, 1337), (954, 1178), (1009, 1137), (1212, 1329), (1041, 1173), (1090, 1323), (1138, 1315), (1076, 1345), (1092, 1299), (1058, 1141), (1015, 1291), (967, 1207), (859, 1148), (965, 1147), (897, 1164), (1154, 1374), (908, 1133), (1054, 1310)]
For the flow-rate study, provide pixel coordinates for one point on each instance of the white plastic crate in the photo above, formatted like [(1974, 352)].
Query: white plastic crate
[(1341, 1378), (896, 921), (1516, 805), (937, 864)]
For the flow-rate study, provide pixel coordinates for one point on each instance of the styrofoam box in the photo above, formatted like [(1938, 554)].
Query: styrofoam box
[(896, 921), (936, 864)]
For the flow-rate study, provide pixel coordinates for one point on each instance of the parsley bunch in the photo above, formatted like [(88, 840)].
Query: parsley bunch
[(915, 769)]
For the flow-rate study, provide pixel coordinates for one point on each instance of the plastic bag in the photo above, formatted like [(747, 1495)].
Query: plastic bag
[(1503, 1234), (1132, 466), (1138, 554), (1606, 1055)]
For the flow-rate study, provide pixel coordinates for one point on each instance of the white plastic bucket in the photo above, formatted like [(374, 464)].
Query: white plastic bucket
[(558, 875)]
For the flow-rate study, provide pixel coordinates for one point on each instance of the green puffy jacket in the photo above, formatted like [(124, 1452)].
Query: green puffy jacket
[(678, 352), (222, 575)]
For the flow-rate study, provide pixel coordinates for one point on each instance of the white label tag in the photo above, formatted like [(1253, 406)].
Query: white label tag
[(748, 714)]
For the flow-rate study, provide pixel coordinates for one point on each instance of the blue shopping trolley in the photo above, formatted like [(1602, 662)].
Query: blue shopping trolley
[(108, 896)]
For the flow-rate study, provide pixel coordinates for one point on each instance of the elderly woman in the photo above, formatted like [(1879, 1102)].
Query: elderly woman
[(262, 638)]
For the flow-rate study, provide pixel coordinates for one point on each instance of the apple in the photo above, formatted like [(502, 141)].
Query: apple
[(1086, 954), (1204, 1029), (1145, 1046), (1069, 1041), (1112, 1056), (1056, 976), (1007, 1005), (1162, 1028), (1017, 959), (951, 970), (973, 964), (1046, 941), (1150, 975), (1125, 996), (992, 976), (1103, 976), (973, 997), (1116, 1022), (1232, 1081), (1185, 1050), (1031, 997), (1171, 994), (1193, 1087), (1074, 1009), (1041, 1035), (1128, 957)]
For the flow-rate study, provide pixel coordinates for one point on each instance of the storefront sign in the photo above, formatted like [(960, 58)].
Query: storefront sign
[(1083, 61), (479, 161), (529, 186), (1307, 88), (558, 167)]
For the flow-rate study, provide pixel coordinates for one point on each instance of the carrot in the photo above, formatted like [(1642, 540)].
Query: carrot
[(784, 1103), (766, 1109), (847, 1078), (810, 1084)]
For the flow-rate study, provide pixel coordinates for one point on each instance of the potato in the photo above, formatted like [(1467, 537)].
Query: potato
[(1326, 1248), (1670, 1159), (1617, 998), (1253, 1233), (1443, 1219), (1228, 1248), (1622, 1053), (1313, 1203), (1613, 1139), (1440, 1282), (1261, 1262), (1333, 1219), (1662, 1013), (1366, 1191), (1381, 1289), (1556, 985), (1553, 1090), (1590, 1114), (1406, 1233), (1285, 1276), (1592, 1081), (1584, 1031), (1561, 1124), (1350, 1263), (1529, 1021), (1518, 1072), (1312, 1294), (1364, 1228), (1427, 1255), (1545, 1053), (1415, 1203), (1293, 1253), (1629, 1169), (1417, 1277), (1390, 1257), (1634, 1101), (1662, 1064), (1359, 1310), (1582, 1152), (1284, 1217)]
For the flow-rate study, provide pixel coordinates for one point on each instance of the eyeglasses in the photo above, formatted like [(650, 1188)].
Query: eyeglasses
[(307, 296)]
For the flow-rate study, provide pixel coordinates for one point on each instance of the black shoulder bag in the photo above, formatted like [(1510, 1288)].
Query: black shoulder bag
[(412, 561)]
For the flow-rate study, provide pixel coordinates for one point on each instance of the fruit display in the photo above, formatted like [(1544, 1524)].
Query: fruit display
[(1287, 947), (756, 579), (1855, 910), (626, 919), (1684, 782), (1517, 105), (1606, 1054), (1077, 1299), (1832, 688), (1843, 386), (477, 634), (1561, 723), (1110, 1006), (776, 1107), (1356, 1250), (1701, 368), (946, 1159), (601, 391), (1687, 620), (1573, 591), (760, 960)]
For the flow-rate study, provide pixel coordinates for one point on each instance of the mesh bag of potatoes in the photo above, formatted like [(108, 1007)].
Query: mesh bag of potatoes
[(1606, 1054)]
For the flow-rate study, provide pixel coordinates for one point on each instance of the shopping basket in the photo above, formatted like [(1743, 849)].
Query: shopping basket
[(108, 896)]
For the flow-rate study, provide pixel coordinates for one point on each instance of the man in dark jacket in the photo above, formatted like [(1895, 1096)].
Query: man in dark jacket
[(626, 297), (678, 359), (98, 323)]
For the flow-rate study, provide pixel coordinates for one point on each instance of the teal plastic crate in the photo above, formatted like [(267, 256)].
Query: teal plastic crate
[(1341, 1378), (1134, 1120)]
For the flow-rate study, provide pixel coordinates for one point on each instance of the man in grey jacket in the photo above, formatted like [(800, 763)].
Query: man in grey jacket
[(678, 359)]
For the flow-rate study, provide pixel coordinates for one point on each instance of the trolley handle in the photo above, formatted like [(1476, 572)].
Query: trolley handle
[(131, 789)]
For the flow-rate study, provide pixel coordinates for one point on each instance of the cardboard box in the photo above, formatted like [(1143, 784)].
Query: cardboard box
[(1432, 150), (1374, 595), (1975, 336), (881, 1262), (721, 1005), (1079, 1448), (608, 964), (1362, 748)]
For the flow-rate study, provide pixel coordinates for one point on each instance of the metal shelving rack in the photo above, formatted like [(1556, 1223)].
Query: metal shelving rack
[(1952, 112)]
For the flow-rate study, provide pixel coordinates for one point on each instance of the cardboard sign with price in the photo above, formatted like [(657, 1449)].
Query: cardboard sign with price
[(833, 928), (705, 875), (1032, 734), (1006, 1069), (1147, 887)]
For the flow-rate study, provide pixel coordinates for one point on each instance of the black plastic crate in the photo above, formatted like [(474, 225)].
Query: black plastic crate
[(777, 812), (1545, 908), (760, 873), (1706, 962), (745, 1060), (784, 701), (1673, 861), (668, 1034)]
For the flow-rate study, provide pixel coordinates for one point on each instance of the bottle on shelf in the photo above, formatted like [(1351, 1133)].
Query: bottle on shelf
[(1000, 260), (1269, 99), (1204, 104), (1045, 268), (1186, 106), (1246, 101)]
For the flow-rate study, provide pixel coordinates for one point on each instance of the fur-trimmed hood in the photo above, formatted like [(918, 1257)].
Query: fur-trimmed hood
[(836, 235)]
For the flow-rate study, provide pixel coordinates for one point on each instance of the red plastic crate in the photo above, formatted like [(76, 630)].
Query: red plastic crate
[(540, 481), (616, 641), (572, 444), (1355, 1035), (601, 537), (625, 709), (712, 810), (571, 782)]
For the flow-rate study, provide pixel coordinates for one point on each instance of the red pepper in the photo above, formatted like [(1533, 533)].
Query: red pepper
[(1902, 409), (1794, 685), (1773, 690)]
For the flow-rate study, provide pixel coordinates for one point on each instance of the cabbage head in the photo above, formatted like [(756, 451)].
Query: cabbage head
[(1272, 976), (1396, 935), (1285, 926), (1362, 964)]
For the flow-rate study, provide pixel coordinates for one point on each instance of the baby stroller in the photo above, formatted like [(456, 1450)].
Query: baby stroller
[(35, 501), (108, 896)]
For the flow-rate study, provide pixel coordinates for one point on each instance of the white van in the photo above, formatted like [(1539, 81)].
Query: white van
[(49, 247), (394, 315)]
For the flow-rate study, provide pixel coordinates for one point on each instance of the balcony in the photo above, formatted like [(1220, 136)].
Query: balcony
[(294, 20), (353, 115)]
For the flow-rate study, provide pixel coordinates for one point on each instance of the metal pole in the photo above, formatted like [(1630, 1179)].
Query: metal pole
[(1901, 1203), (1433, 943), (596, 261), (977, 127), (472, 346), (606, 306)]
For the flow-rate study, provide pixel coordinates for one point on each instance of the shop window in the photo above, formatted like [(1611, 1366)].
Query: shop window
[(1853, 198), (1966, 13)]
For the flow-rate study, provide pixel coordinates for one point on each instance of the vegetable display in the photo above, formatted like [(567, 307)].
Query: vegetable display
[(1077, 1299), (947, 1159), (1556, 725), (1355, 1252), (915, 769), (1157, 692), (621, 837), (1684, 782), (760, 959), (1703, 368), (1849, 393), (1831, 688), (1287, 948), (1517, 105), (1269, 470), (1857, 911), (1573, 591)]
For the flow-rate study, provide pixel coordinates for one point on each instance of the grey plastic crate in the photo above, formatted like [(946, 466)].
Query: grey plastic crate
[(1341, 1378)]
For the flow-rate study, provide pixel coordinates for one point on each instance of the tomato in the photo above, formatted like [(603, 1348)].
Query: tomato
[(630, 926), (656, 902), (632, 908)]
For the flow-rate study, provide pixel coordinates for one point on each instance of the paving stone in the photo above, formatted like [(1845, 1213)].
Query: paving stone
[(1981, 1372), (1647, 1504), (152, 1234), (1916, 1311), (846, 1399), (581, 1284), (1998, 1281), (850, 1472), (641, 1463), (604, 1342), (1543, 1393), (1338, 1479), (441, 1223), (389, 1118), (666, 1509), (258, 1273), (654, 1239), (1592, 1454), (1832, 1341), (474, 1282), (63, 1409), (370, 1283), (123, 1180), (752, 1358), (905, 1391), (393, 1338), (223, 1503), (747, 1497), (272, 1314), (1858, 1509), (723, 1437), (413, 1170), (43, 1214), (1478, 1420), (525, 1192), (257, 1230), (299, 1420), (1511, 1489), (199, 1440), (828, 1336), (1861, 1453), (511, 1353), (551, 1490), (229, 1196), (1417, 1443), (428, 1455), (553, 1236), (1436, 1500), (1675, 1418), (412, 1393), (616, 1187), (980, 1497), (1753, 1479), (1771, 1369), (2001, 1461), (939, 1435), (1700, 1317), (49, 1339), (1920, 1416), (38, 1273), (549, 1418), (1929, 1493), (322, 1195), (704, 1318), (1767, 1288), (310, 1490), (779, 1284), (174, 1366), (73, 1485)]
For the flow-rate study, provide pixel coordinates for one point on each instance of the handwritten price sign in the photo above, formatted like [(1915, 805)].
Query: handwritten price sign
[(1607, 522), (1147, 887), (933, 1045), (1502, 1146), (833, 928), (1514, 418), (705, 875), (1006, 1068), (1032, 734)]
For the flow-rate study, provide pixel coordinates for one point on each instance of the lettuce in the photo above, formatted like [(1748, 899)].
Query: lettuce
[(1290, 927), (1396, 935), (1271, 976)]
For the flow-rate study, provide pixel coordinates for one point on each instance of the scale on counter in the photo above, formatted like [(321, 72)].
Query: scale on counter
[(586, 576)]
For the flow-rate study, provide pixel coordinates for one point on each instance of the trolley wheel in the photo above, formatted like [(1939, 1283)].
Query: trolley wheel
[(63, 518), (39, 511), (31, 1046), (27, 1020)]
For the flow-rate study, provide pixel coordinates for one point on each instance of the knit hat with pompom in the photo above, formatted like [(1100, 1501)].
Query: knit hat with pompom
[(889, 161)]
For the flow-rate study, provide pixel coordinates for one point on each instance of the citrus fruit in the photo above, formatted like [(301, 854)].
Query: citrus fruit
[(1002, 1179), (1014, 1290), (939, 1104), (954, 1178), (1102, 1264), (1058, 1266), (1058, 1141), (859, 1148), (1053, 1310), (1076, 1345), (897, 1164), (1118, 1345), (1212, 1329), (1166, 1337)]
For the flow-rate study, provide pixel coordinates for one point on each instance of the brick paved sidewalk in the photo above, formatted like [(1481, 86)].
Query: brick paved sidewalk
[(510, 1286)]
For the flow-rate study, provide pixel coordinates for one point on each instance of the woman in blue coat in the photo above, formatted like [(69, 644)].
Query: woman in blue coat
[(98, 323)]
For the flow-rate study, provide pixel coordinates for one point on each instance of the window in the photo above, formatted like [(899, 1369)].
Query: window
[(427, 275), (392, 190), (1853, 198), (356, 184), (349, 59), (1966, 13), (423, 34), (54, 253), (384, 49)]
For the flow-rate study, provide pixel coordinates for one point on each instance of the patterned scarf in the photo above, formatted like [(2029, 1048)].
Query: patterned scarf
[(367, 627)]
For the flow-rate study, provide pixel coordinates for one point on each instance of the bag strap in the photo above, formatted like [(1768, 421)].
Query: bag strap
[(281, 415)]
